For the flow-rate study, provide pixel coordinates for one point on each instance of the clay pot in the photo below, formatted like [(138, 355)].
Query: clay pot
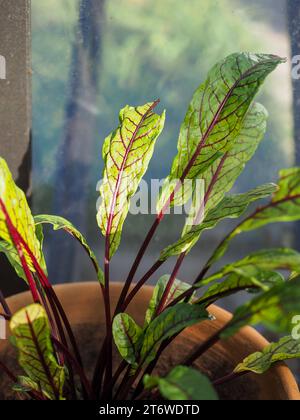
[(84, 306)]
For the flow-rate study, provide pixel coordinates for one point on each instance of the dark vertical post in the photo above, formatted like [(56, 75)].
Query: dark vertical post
[(293, 11), (15, 104)]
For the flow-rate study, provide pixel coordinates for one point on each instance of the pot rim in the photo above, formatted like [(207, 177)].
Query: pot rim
[(288, 381)]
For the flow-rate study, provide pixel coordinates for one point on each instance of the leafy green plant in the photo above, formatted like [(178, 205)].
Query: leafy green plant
[(220, 133)]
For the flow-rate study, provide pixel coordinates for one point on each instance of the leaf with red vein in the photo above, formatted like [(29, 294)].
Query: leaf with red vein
[(223, 173), (127, 335), (216, 114), (19, 212), (220, 178), (126, 153), (284, 207), (31, 331), (230, 207)]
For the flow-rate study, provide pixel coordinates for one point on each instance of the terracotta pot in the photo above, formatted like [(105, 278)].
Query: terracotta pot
[(84, 306)]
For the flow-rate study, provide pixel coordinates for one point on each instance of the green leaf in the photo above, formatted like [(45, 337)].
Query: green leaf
[(19, 212), (126, 153), (284, 207), (59, 223), (127, 335), (168, 323), (13, 256), (285, 349), (230, 207), (26, 385), (221, 176), (177, 289), (31, 330), (236, 282), (266, 260), (217, 111), (275, 309), (183, 384)]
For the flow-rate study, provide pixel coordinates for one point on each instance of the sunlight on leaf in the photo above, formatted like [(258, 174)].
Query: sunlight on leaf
[(285, 349), (216, 114), (266, 260), (17, 207), (31, 331)]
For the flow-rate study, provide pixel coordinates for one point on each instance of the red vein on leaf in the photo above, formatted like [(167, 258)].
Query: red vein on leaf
[(189, 166)]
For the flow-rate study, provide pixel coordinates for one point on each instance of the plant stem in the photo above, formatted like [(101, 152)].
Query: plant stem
[(123, 384), (123, 365), (8, 373), (20, 244), (42, 359), (54, 327), (137, 262), (15, 237), (99, 370), (204, 347), (5, 316), (33, 394), (167, 204)]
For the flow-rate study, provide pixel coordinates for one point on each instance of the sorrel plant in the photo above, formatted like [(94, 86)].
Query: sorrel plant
[(220, 133)]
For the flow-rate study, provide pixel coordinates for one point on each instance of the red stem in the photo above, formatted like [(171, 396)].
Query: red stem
[(136, 263), (165, 297), (204, 347), (50, 294), (161, 215), (16, 241)]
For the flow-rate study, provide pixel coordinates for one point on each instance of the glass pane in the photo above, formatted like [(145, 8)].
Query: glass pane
[(90, 58)]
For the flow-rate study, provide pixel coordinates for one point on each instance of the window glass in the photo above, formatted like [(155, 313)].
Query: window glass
[(90, 58)]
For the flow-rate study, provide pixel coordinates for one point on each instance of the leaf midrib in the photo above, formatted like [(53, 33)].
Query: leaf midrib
[(119, 178)]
